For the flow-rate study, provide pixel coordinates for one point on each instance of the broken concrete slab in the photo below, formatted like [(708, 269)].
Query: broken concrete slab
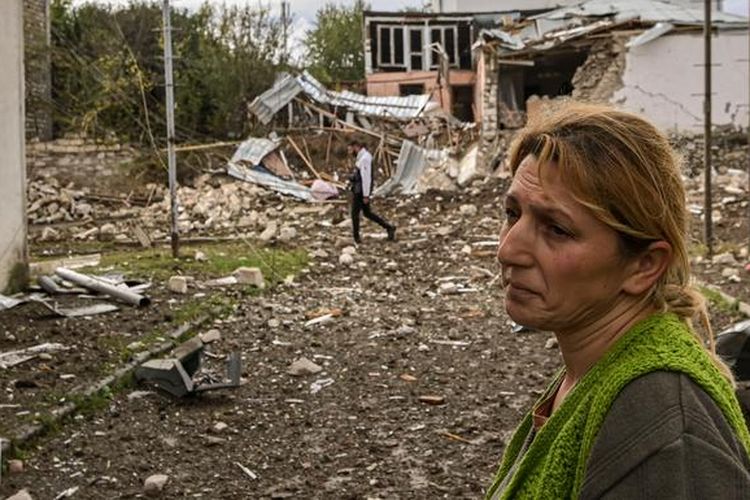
[(178, 284), (154, 485), (303, 366), (249, 276)]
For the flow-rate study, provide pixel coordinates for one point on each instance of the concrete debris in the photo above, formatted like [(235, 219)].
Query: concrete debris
[(724, 259), (551, 343), (287, 233), (346, 259), (269, 232), (303, 366), (13, 358), (21, 495), (320, 384), (220, 427), (212, 335), (200, 256), (67, 493), (249, 276), (326, 318), (468, 210), (154, 485), (178, 284)]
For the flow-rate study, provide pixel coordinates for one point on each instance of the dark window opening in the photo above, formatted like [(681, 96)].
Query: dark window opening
[(436, 36), (450, 45), (405, 89), (416, 40), (464, 47), (398, 46), (416, 63), (463, 103), (385, 46)]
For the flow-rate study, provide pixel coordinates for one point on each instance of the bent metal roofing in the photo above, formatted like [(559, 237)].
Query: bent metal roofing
[(287, 87)]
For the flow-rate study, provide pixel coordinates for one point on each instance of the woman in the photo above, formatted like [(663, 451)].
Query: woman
[(594, 249)]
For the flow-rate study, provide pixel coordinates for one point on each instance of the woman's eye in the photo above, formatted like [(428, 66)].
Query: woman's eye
[(558, 230), (511, 214)]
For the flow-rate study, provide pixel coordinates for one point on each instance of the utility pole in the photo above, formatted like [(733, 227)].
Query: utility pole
[(708, 223), (284, 22), (170, 127)]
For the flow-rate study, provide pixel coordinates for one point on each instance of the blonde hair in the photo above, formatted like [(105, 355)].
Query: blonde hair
[(624, 170)]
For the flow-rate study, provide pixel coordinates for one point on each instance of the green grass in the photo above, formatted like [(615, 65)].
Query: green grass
[(158, 263), (718, 302)]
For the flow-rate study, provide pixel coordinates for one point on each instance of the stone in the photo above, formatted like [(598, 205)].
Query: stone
[(107, 231), (350, 250), (200, 256), (468, 210), (269, 232), (303, 366), (212, 335), (154, 485), (551, 343), (274, 323), (724, 258), (178, 284), (21, 495), (249, 276), (287, 233), (728, 272), (220, 427), (49, 234), (448, 288), (15, 466), (432, 400), (346, 259)]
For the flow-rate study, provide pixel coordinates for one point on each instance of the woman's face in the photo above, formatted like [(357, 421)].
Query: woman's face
[(562, 267)]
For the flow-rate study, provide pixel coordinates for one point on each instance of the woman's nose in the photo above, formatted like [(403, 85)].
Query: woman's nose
[(515, 245)]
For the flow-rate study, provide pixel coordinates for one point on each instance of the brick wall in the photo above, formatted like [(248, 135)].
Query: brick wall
[(38, 74)]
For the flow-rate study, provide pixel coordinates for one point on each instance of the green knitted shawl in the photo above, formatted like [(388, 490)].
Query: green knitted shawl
[(555, 463)]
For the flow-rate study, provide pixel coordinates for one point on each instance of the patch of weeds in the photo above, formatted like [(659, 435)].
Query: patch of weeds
[(697, 250), (718, 301), (221, 259), (215, 306)]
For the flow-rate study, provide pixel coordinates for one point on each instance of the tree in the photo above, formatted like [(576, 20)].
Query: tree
[(335, 45)]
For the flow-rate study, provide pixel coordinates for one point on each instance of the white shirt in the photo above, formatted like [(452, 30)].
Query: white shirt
[(364, 164)]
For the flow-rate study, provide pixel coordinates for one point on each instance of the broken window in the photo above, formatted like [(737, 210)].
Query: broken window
[(391, 46), (415, 49), (446, 36), (405, 89)]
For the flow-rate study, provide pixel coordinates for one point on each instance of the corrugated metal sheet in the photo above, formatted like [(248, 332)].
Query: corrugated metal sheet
[(253, 150), (387, 107), (650, 35), (412, 160), (645, 10), (266, 105), (286, 88), (270, 181)]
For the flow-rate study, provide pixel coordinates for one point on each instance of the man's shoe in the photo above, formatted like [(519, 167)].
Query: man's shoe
[(391, 233)]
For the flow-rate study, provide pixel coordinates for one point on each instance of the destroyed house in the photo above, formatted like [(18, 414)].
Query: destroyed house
[(409, 53), (642, 55)]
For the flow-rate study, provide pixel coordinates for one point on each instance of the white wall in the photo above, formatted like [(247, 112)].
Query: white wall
[(663, 79), (497, 5), (12, 168)]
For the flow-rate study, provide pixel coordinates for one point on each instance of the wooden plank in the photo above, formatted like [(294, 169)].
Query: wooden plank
[(302, 155)]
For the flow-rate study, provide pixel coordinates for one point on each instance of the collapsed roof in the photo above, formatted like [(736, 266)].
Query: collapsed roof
[(287, 87), (553, 28)]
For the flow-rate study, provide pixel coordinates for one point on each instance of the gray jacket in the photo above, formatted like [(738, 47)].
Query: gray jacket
[(665, 438)]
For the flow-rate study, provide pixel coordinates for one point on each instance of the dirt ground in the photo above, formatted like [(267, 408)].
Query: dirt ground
[(422, 379)]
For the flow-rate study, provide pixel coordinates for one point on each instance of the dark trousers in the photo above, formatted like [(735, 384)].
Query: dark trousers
[(359, 205)]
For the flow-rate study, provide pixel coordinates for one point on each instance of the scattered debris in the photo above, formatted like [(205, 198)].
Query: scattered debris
[(432, 400), (154, 485), (21, 495), (318, 385), (175, 375), (178, 284), (252, 475), (15, 466), (13, 358), (249, 276), (123, 294), (303, 366)]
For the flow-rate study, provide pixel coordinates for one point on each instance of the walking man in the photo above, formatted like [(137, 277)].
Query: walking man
[(362, 187)]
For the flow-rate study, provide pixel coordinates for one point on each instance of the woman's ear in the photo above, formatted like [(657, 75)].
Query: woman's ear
[(648, 267)]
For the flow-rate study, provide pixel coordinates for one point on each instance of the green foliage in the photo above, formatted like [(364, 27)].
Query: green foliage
[(107, 68), (335, 45)]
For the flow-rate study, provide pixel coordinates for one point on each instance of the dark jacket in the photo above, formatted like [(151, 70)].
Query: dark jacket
[(665, 438)]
